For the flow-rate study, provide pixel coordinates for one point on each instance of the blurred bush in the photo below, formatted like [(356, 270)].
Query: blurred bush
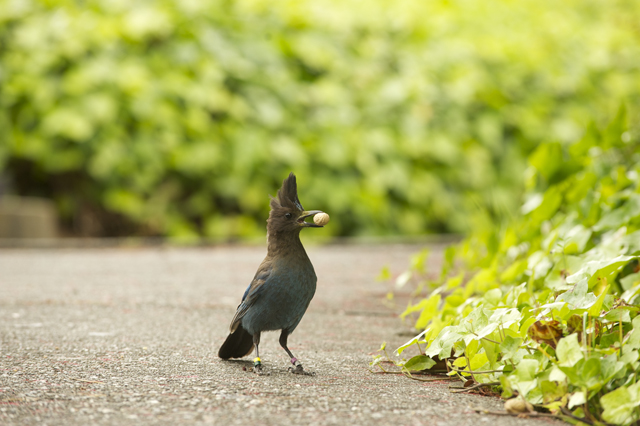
[(179, 117)]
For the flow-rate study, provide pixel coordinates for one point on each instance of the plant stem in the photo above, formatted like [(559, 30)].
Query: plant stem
[(487, 339), (477, 385), (620, 327), (568, 413), (541, 349), (478, 372), (469, 365), (534, 414), (584, 330), (407, 374)]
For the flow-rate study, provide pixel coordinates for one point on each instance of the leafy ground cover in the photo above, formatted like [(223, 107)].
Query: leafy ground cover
[(408, 117), (546, 308)]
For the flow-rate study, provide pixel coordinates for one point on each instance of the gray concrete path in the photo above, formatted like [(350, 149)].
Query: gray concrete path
[(130, 336)]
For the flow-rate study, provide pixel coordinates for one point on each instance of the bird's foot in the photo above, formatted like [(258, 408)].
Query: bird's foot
[(297, 368), (260, 371), (257, 368)]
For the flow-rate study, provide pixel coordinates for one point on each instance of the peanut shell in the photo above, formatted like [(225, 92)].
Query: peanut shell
[(321, 219)]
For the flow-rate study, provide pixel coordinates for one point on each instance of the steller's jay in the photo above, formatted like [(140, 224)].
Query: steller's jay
[(283, 286)]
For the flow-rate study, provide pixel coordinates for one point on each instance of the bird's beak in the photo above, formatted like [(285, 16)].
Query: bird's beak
[(305, 215)]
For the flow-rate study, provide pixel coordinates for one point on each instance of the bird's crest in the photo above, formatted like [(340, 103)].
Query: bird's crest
[(287, 195)]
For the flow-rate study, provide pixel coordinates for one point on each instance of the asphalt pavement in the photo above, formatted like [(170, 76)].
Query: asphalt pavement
[(129, 336)]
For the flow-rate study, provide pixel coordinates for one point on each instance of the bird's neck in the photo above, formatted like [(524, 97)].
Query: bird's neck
[(284, 244)]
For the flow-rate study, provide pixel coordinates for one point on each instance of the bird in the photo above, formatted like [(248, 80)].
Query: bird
[(282, 288)]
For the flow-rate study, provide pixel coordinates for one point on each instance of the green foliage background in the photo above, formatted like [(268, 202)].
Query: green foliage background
[(179, 117)]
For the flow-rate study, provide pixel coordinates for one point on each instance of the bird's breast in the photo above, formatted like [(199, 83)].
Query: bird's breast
[(284, 299)]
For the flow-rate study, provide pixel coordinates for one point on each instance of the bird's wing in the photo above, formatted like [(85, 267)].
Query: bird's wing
[(252, 293)]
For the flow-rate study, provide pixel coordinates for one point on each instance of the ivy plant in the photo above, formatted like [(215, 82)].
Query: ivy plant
[(546, 306)]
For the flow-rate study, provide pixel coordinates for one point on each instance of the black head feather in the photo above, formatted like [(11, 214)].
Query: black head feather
[(285, 211), (287, 217), (287, 195)]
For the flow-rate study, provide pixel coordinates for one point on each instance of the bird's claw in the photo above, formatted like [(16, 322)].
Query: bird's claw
[(299, 370), (259, 371)]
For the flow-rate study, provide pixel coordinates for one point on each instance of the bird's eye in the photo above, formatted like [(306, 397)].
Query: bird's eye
[(287, 215)]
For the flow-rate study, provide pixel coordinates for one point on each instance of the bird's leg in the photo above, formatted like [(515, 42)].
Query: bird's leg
[(257, 364), (297, 366)]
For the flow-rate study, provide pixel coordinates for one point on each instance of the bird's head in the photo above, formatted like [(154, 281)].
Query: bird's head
[(287, 214)]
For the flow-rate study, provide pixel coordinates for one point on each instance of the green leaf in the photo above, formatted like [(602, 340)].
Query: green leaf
[(620, 405), (492, 352), (523, 378), (412, 342), (377, 360), (569, 351), (630, 357), (419, 363), (621, 215), (478, 361), (509, 347), (577, 398), (596, 269), (429, 310), (611, 367), (443, 343), (630, 280), (418, 260), (619, 314), (576, 239), (547, 159), (124, 201), (527, 369), (548, 207), (552, 391), (454, 282), (556, 374), (632, 341), (429, 305), (579, 297), (385, 274), (591, 374), (594, 310), (493, 296), (514, 271)]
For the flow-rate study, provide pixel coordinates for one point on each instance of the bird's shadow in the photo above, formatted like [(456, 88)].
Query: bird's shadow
[(239, 362), (247, 365)]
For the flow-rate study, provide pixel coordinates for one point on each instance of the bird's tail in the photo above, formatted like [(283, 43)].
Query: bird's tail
[(238, 344)]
